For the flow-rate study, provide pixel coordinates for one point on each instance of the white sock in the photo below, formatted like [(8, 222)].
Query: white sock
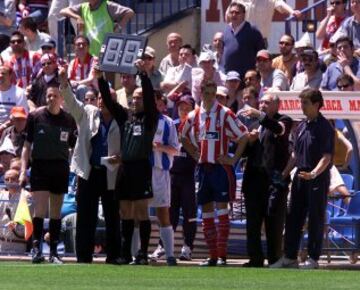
[(135, 242), (167, 237)]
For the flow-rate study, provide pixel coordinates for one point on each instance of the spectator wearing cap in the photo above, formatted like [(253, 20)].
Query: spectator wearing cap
[(287, 58), (128, 86), (173, 42), (46, 77), (153, 73), (335, 15), (311, 77), (205, 72), (330, 55), (222, 95), (271, 78), (80, 70), (350, 26), (234, 85), (22, 61), (347, 63), (7, 22), (10, 96), (96, 18), (33, 37), (48, 46), (241, 41), (303, 43), (15, 135)]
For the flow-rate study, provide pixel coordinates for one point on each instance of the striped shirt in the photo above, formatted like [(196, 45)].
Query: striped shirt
[(166, 134), (212, 132), (14, 96), (80, 71)]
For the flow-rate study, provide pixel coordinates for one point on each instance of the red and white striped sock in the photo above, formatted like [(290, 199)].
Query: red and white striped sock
[(210, 233), (223, 232)]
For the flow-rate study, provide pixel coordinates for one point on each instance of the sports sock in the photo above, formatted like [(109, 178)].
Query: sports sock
[(167, 237), (210, 234), (223, 232), (127, 229), (38, 225), (54, 230), (135, 242), (145, 231)]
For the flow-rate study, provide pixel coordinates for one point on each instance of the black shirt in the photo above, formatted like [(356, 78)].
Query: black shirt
[(313, 139), (51, 135)]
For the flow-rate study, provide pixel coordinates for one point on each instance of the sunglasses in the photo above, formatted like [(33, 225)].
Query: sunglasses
[(343, 86), (46, 63), (285, 43), (18, 41), (336, 3)]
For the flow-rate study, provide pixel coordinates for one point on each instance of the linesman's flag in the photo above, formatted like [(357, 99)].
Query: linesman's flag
[(23, 217)]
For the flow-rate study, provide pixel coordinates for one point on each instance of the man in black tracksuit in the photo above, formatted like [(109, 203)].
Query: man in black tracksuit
[(265, 191)]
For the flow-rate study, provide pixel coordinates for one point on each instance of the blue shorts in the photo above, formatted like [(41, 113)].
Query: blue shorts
[(216, 183)]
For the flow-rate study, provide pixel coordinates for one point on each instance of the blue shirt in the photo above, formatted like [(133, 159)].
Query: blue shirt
[(335, 70), (99, 143), (351, 28), (313, 139)]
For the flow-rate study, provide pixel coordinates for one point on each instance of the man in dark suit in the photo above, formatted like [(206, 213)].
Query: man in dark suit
[(264, 189)]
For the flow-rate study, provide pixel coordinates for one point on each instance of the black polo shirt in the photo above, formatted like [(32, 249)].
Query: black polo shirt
[(313, 139)]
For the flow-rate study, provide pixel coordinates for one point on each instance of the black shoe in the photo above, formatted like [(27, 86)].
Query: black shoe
[(55, 259), (140, 259), (118, 261), (208, 263), (171, 261), (253, 264), (221, 261), (37, 257)]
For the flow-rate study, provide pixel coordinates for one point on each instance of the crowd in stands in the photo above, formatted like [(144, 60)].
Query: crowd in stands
[(146, 143)]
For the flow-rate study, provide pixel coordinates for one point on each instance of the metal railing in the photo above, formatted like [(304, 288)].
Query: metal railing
[(148, 15), (316, 11)]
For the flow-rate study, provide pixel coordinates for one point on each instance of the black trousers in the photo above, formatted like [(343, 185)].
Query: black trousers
[(308, 198), (256, 188), (89, 192)]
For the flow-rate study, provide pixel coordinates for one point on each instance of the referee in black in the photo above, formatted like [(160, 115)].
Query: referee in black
[(50, 135), (312, 156), (264, 190)]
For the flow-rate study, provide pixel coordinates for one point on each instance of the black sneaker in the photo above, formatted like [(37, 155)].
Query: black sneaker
[(208, 263), (171, 261), (221, 261), (37, 257), (55, 259), (253, 264), (140, 259)]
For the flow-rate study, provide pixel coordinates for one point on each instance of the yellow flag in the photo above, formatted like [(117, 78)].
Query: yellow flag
[(22, 216)]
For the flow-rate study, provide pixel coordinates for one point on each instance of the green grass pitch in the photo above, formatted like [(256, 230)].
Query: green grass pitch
[(24, 275)]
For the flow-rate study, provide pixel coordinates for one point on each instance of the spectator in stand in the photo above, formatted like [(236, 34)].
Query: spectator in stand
[(91, 97), (50, 135), (173, 42), (311, 77), (347, 63), (336, 14), (207, 71), (312, 156), (80, 70), (35, 9), (241, 41), (222, 95), (331, 55), (48, 46), (22, 61), (33, 37), (287, 59), (265, 201), (95, 18), (253, 78), (251, 100), (218, 46), (351, 28), (209, 147), (98, 139), (7, 22), (15, 135), (125, 94), (48, 76), (54, 14), (303, 43), (154, 74), (12, 234), (234, 85), (10, 96), (271, 79), (260, 13)]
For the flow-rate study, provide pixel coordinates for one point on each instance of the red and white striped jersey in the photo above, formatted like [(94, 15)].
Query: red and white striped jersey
[(78, 71), (212, 132), (24, 67)]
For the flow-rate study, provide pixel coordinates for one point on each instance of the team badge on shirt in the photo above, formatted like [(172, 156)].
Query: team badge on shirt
[(64, 136), (137, 131)]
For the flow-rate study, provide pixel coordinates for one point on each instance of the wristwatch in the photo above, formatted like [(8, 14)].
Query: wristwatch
[(313, 174)]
